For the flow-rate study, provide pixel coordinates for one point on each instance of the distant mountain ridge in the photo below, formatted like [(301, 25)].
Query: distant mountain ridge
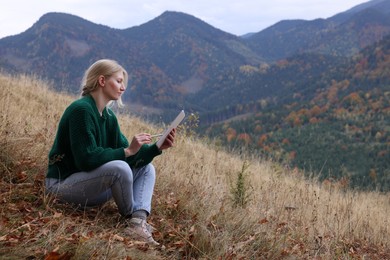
[(56, 47), (177, 60), (170, 56), (343, 34)]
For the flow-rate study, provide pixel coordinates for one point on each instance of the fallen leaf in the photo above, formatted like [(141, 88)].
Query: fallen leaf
[(192, 229), (57, 215), (118, 238), (263, 221), (179, 243), (57, 256)]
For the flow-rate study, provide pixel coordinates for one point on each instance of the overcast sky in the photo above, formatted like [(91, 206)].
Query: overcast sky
[(233, 16)]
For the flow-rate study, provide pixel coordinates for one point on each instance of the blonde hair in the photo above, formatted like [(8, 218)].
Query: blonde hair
[(106, 68)]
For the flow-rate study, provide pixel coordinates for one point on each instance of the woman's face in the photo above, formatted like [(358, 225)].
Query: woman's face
[(114, 86)]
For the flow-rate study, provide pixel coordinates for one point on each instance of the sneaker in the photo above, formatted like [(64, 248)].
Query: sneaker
[(140, 230), (150, 228)]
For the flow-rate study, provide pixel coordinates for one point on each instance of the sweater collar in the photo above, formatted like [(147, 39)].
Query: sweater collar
[(93, 103)]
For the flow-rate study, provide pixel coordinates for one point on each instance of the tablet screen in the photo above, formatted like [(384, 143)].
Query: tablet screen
[(173, 125)]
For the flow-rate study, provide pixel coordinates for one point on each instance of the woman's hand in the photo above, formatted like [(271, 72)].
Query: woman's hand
[(169, 140), (136, 143)]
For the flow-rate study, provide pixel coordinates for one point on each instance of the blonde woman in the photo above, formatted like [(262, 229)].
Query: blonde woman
[(91, 161)]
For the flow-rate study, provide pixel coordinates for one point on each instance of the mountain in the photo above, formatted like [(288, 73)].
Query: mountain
[(184, 50), (59, 47), (168, 57), (343, 34), (382, 6), (178, 61)]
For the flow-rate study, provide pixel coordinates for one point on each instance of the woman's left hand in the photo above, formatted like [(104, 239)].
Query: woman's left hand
[(168, 143)]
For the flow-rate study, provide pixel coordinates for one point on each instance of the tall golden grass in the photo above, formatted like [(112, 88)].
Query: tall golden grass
[(195, 209)]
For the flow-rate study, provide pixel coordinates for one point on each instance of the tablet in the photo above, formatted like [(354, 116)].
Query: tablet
[(173, 125)]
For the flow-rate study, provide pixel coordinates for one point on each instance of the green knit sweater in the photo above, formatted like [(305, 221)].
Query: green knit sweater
[(85, 140)]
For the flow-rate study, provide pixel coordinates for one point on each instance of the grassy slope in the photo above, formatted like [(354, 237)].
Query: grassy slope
[(193, 209)]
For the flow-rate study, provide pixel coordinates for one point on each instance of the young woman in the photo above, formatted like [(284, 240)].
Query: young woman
[(91, 161)]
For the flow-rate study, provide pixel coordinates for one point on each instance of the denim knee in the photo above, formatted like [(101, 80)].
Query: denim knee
[(149, 169), (123, 170)]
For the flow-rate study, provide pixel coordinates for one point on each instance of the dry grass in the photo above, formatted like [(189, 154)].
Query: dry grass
[(285, 215)]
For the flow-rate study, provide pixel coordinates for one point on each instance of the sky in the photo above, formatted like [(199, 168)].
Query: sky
[(232, 16)]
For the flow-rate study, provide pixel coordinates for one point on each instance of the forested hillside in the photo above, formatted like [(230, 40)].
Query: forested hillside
[(336, 125)]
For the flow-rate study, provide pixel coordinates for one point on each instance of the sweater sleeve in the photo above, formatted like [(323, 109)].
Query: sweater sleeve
[(144, 156), (84, 135)]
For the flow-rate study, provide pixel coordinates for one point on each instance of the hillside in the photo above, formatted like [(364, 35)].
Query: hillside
[(208, 203), (247, 85), (332, 120)]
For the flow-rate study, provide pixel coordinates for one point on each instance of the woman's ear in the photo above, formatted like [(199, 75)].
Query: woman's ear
[(101, 80)]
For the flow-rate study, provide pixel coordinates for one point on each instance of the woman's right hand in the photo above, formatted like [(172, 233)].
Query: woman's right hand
[(136, 143)]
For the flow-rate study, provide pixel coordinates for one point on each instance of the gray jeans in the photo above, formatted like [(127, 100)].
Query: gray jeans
[(131, 189)]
